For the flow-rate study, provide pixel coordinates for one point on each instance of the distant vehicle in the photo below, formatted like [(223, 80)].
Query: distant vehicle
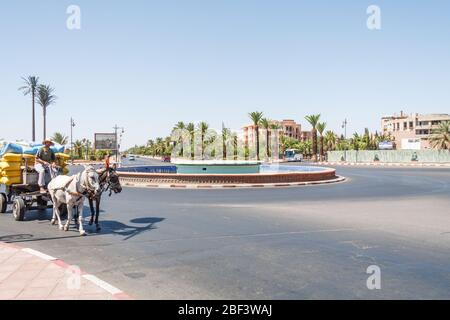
[(293, 155), (131, 157), (165, 159)]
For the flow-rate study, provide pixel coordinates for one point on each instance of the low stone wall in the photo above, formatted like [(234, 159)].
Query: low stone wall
[(391, 156), (156, 178)]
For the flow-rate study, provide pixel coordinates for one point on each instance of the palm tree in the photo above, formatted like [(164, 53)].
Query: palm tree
[(265, 123), (45, 99), (226, 133), (440, 138), (330, 140), (314, 120), (191, 128), (203, 129), (321, 128), (78, 146), (30, 87), (256, 117), (180, 126), (60, 138)]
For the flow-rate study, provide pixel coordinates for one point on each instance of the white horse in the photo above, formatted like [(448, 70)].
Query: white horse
[(72, 191)]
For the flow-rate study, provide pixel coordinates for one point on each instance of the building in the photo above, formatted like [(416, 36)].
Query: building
[(412, 132), (288, 128)]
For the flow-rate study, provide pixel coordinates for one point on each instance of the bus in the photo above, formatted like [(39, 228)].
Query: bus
[(293, 155)]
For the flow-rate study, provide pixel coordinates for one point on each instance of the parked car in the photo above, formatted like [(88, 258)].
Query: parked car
[(166, 159)]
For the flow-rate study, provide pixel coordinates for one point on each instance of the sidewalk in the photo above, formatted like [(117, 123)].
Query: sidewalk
[(26, 274)]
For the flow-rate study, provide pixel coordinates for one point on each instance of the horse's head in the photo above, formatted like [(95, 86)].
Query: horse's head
[(114, 181), (90, 181)]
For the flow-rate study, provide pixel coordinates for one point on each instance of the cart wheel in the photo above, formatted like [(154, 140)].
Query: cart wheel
[(18, 209), (3, 202)]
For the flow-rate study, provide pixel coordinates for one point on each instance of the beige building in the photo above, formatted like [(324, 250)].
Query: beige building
[(288, 128), (412, 131)]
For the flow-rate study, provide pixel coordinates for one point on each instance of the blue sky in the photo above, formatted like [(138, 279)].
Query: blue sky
[(147, 64)]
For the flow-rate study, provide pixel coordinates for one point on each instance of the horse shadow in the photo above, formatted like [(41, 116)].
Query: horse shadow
[(129, 231)]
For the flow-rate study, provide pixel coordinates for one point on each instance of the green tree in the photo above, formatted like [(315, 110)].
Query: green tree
[(45, 99), (440, 137), (191, 129), (313, 121), (30, 86), (203, 130), (60, 138), (181, 126), (256, 118), (265, 124), (321, 128)]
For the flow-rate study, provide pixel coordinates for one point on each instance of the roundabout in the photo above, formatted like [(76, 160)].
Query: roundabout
[(227, 174)]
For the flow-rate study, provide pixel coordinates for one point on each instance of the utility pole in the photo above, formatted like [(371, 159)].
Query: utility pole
[(344, 126), (72, 124), (116, 128)]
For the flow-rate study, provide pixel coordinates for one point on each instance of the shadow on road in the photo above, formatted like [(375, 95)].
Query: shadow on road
[(108, 227), (129, 231)]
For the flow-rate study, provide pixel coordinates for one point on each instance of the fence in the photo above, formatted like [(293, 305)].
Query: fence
[(391, 156)]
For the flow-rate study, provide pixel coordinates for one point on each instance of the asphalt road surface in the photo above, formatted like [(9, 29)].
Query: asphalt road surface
[(312, 242)]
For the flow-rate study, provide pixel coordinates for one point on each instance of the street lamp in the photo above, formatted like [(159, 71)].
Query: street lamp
[(116, 128), (72, 125), (344, 126)]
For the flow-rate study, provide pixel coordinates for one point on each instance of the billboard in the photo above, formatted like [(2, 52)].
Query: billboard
[(105, 141), (411, 144)]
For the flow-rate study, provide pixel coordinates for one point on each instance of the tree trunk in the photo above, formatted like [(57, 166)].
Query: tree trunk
[(322, 153), (33, 117), (257, 143), (45, 122), (314, 145), (268, 143)]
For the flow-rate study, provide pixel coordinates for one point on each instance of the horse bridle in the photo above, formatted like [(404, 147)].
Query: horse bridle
[(110, 185), (88, 189)]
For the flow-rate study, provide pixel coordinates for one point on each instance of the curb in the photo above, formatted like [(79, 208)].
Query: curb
[(231, 186), (385, 164), (115, 292)]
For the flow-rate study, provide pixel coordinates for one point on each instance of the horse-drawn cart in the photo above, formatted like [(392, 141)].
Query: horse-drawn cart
[(24, 196)]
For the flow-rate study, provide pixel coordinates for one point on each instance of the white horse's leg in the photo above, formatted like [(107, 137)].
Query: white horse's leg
[(80, 218), (69, 215)]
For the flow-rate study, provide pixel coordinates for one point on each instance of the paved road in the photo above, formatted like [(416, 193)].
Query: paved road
[(285, 243)]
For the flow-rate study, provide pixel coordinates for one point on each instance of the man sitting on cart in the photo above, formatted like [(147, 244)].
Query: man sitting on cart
[(45, 162)]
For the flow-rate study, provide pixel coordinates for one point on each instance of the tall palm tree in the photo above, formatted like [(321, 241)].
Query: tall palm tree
[(313, 121), (181, 126), (60, 138), (226, 133), (321, 128), (30, 86), (203, 129), (256, 117), (265, 124), (191, 128), (330, 140), (45, 98), (440, 138)]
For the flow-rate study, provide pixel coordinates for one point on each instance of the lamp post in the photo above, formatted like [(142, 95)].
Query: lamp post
[(116, 128), (344, 126), (72, 124)]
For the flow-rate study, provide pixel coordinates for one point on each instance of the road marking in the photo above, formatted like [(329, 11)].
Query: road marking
[(39, 254), (102, 284)]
